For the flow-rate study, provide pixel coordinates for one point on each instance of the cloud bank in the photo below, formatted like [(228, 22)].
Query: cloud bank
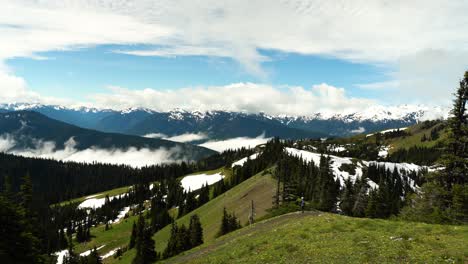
[(248, 97), (188, 137), (132, 156), (182, 138), (235, 143)]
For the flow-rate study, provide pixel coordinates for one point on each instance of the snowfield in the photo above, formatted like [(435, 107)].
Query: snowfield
[(244, 160), (195, 182), (343, 175), (97, 202)]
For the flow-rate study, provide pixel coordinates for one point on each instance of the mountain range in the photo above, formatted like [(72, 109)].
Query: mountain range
[(224, 124)]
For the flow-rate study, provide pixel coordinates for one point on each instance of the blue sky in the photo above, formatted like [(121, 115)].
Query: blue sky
[(283, 57), (76, 74)]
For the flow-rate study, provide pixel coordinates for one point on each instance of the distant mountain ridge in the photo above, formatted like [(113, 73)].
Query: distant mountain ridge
[(224, 124), (32, 130)]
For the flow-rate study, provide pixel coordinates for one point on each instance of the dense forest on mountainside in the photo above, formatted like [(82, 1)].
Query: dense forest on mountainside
[(56, 181)]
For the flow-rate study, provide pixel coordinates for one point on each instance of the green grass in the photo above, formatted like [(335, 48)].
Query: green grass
[(119, 235), (260, 188), (404, 142), (414, 139), (316, 237)]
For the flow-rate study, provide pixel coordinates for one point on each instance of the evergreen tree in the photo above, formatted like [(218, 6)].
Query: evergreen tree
[(171, 248), (348, 198), (190, 203), (229, 223), (204, 195), (17, 243), (79, 234), (196, 231), (444, 197), (144, 244), (133, 236), (329, 188)]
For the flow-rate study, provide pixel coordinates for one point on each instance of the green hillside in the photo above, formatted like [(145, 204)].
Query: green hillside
[(316, 237), (415, 134), (260, 188), (412, 137)]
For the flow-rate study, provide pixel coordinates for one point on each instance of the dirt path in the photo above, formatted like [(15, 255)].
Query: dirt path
[(248, 230)]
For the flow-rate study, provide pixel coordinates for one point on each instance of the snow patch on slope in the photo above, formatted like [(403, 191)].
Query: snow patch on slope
[(97, 202), (121, 215), (388, 131), (244, 160), (195, 182)]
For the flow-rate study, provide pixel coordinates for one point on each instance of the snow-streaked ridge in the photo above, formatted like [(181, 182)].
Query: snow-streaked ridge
[(373, 113), (343, 175)]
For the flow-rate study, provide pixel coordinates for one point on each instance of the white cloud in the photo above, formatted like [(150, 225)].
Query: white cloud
[(408, 36), (235, 143), (188, 137), (249, 97), (155, 135), (359, 130), (132, 156), (379, 85)]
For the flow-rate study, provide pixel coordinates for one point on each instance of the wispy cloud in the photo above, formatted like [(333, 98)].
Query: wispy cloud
[(188, 137), (379, 85), (235, 143), (155, 135)]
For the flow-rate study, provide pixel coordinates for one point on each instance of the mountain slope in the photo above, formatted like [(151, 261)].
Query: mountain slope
[(30, 129), (316, 237), (259, 188)]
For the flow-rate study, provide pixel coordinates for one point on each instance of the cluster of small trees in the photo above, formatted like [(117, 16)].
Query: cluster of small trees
[(141, 239), (229, 223), (183, 238), (417, 154), (298, 178), (83, 232)]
